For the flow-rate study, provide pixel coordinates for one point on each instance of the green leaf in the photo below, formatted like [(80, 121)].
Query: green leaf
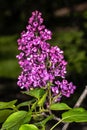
[(28, 127), (26, 103), (75, 115), (10, 104), (59, 106), (4, 114), (34, 106), (28, 117), (50, 117), (37, 93), (15, 120), (79, 109), (42, 100), (42, 123)]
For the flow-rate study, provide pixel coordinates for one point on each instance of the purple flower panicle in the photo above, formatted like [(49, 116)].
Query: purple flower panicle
[(41, 63), (63, 88)]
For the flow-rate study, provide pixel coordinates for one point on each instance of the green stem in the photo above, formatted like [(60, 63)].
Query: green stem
[(60, 122), (49, 93), (15, 108), (56, 97), (40, 111), (56, 124), (49, 97)]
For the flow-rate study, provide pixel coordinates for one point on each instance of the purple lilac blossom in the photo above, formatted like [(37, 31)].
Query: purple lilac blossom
[(63, 88), (40, 62)]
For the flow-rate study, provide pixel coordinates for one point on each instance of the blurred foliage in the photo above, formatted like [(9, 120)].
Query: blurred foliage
[(8, 63)]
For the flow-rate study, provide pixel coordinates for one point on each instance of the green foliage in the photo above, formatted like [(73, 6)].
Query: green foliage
[(15, 120), (26, 103), (59, 106), (4, 105), (4, 114), (75, 115), (37, 93), (42, 100), (13, 117), (28, 127), (8, 63), (85, 14), (42, 124)]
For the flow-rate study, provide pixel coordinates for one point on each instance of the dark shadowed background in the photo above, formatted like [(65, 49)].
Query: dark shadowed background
[(67, 19)]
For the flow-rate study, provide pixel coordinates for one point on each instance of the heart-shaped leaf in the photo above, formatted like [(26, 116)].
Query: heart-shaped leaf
[(15, 120), (37, 93), (75, 115), (59, 106), (28, 127)]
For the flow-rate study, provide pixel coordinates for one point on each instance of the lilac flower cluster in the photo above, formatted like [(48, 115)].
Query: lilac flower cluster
[(63, 88), (40, 62)]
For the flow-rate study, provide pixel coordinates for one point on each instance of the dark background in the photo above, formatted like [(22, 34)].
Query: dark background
[(67, 19)]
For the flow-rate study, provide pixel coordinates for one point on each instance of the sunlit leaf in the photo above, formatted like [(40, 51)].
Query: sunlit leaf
[(28, 117), (75, 115), (34, 106), (59, 106), (42, 100), (28, 127), (4, 114), (37, 93), (10, 104), (15, 120)]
